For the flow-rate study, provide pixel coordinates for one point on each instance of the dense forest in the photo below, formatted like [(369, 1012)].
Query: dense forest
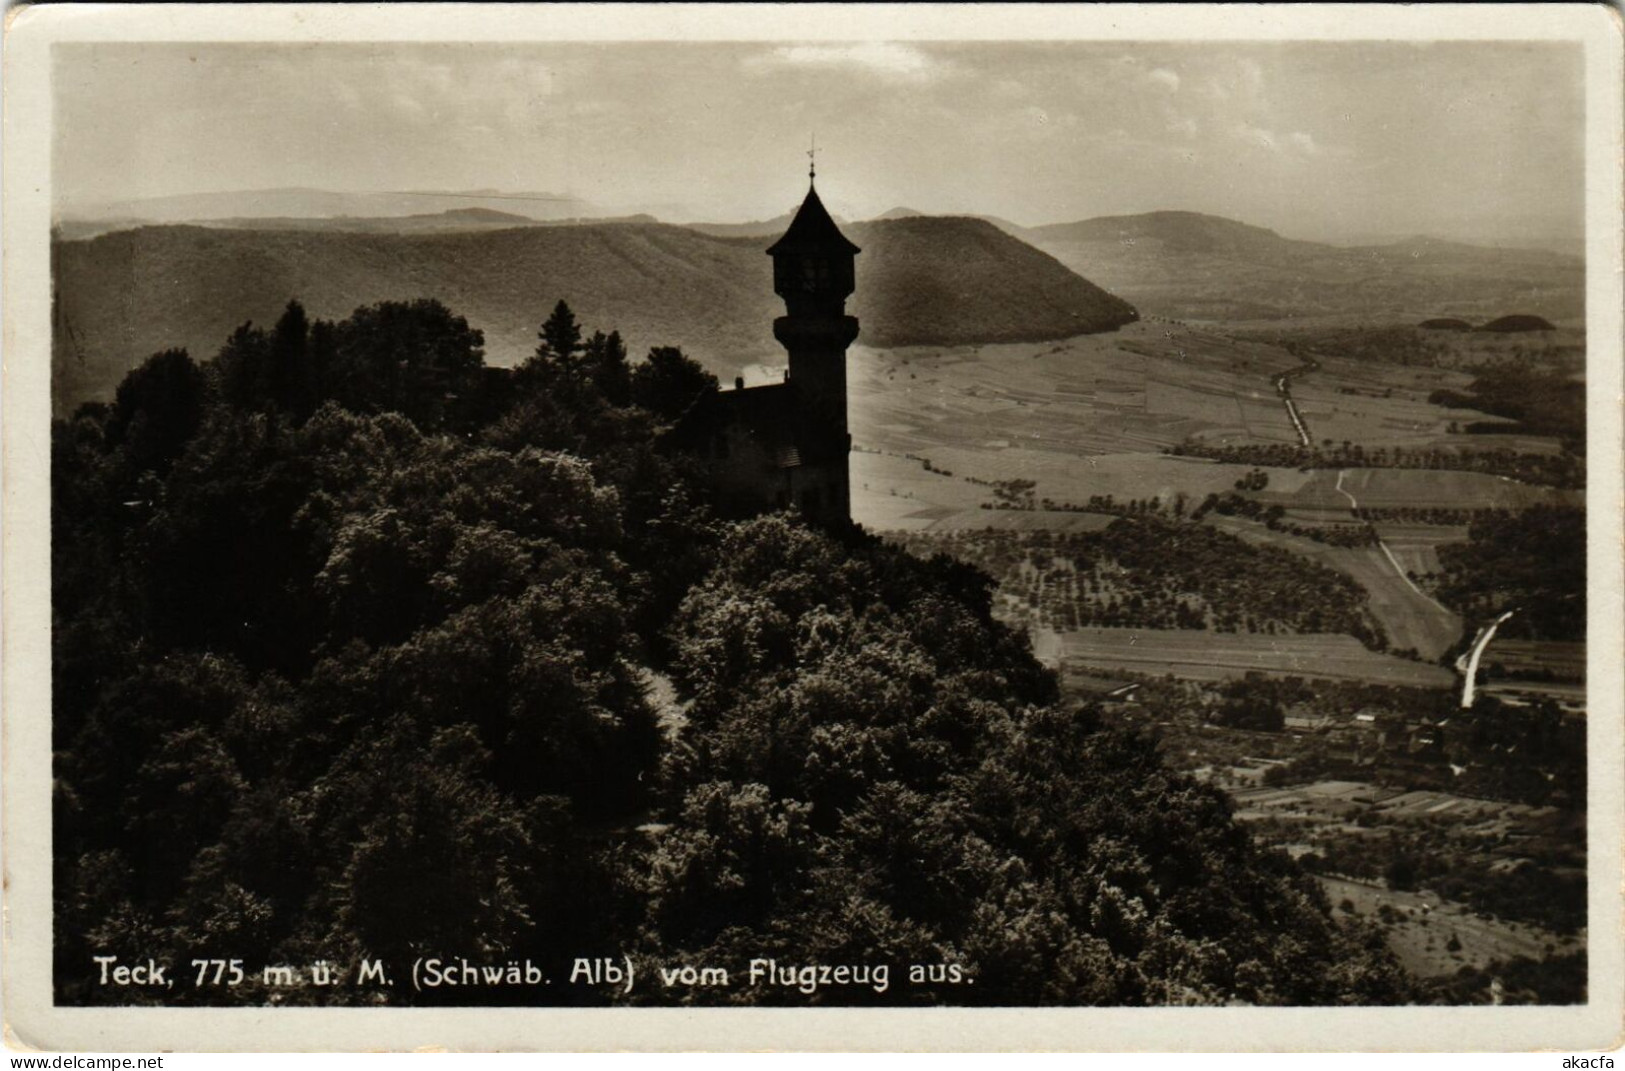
[(1532, 562), (1539, 401), (363, 649)]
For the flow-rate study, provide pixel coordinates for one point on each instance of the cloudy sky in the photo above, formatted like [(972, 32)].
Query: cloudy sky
[(1316, 140)]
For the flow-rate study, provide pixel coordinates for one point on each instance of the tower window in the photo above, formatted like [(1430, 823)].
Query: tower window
[(815, 271)]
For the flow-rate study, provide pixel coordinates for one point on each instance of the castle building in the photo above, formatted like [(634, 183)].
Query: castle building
[(786, 444)]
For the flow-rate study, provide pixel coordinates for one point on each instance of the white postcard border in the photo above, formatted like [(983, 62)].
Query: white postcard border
[(31, 1021)]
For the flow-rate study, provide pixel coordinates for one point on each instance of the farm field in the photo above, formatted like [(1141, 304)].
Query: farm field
[(1074, 479), (1334, 798), (1412, 488), (898, 494), (1382, 381), (1378, 407), (1523, 444), (1089, 416), (1419, 924), (1383, 407), (1092, 684), (1138, 389), (1416, 546), (1423, 925), (1410, 619), (1024, 520), (1201, 655), (1355, 342), (891, 493), (1566, 660), (1570, 697)]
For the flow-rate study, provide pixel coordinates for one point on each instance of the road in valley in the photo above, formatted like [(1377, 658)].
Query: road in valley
[(1468, 663), (1354, 506), (1411, 617), (1283, 387)]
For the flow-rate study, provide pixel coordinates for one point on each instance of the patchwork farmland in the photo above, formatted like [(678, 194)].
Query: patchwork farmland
[(985, 451), (1433, 937), (1411, 619), (936, 429), (1200, 655)]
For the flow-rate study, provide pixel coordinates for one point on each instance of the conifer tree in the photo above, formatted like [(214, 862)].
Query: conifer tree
[(560, 341), (605, 365)]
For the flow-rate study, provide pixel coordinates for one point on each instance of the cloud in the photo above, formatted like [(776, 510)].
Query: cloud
[(417, 87), (1296, 145), (348, 95), (1249, 77), (1238, 84), (1257, 135), (885, 58), (1183, 126), (408, 105), (1132, 73), (1162, 76), (1009, 89), (1236, 101)]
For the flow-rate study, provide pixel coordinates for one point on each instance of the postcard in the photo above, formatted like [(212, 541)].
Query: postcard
[(539, 527)]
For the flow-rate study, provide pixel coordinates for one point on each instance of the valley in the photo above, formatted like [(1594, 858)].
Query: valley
[(1021, 459)]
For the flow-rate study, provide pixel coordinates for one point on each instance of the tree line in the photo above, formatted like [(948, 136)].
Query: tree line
[(1146, 570), (1562, 470)]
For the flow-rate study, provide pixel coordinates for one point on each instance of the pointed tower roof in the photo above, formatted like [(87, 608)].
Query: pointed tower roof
[(814, 230)]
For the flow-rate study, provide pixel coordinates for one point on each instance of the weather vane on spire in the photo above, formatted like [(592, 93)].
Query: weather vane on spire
[(812, 161)]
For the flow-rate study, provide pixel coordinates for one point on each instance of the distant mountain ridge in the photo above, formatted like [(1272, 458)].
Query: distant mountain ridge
[(947, 281), (756, 228), (297, 202), (773, 227), (707, 287), (1013, 229), (1187, 265), (452, 219), (1185, 232)]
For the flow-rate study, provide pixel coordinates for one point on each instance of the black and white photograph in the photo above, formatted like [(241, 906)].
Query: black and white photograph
[(729, 509)]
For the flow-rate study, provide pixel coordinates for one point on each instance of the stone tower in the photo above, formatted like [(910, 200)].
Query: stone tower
[(813, 273), (785, 445)]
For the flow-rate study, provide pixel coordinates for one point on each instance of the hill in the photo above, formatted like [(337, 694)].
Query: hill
[(1516, 323), (756, 228), (305, 203), (772, 228), (1173, 232), (452, 219), (948, 280), (123, 296), (1186, 265), (395, 671), (1015, 230)]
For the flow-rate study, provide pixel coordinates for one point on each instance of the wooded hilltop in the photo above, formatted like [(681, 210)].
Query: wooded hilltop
[(365, 649)]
